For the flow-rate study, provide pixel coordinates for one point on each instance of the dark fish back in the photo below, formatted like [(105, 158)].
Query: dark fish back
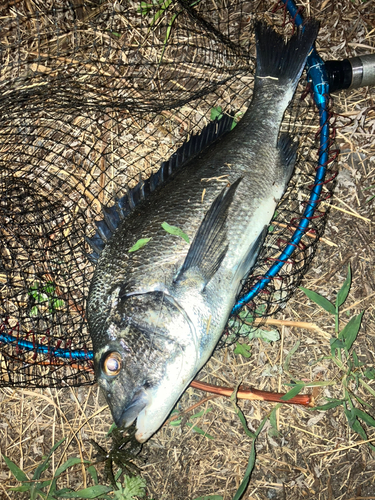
[(123, 206)]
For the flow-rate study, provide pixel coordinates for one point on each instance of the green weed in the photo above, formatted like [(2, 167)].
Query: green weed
[(176, 231), (139, 244), (198, 430), (47, 489), (217, 114), (371, 197), (43, 296), (352, 372), (162, 8), (242, 325)]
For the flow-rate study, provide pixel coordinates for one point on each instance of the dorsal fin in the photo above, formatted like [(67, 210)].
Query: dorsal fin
[(123, 206)]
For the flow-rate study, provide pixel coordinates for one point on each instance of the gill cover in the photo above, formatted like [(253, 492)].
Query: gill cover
[(148, 334)]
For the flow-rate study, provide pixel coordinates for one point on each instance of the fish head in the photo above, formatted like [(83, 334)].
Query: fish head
[(150, 358)]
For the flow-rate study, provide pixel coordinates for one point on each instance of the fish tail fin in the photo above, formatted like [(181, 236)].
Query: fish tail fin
[(279, 62)]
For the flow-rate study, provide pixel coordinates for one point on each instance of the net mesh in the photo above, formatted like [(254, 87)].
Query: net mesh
[(94, 96)]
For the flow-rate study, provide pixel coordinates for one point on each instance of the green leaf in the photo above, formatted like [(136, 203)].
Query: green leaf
[(370, 373), (336, 344), (118, 474), (351, 416), (248, 330), (56, 303), (92, 471), (176, 231), (274, 430), (69, 463), (40, 298), (41, 468), (250, 466), (163, 7), (144, 8), (15, 470), (320, 300), (91, 492), (111, 429), (357, 364), (210, 497), (23, 487), (243, 349), (290, 354), (265, 335), (357, 427), (176, 423), (135, 486), (199, 430), (42, 484), (34, 311), (216, 113), (240, 414), (344, 291), (363, 402), (44, 465), (63, 491), (350, 331), (293, 392), (330, 405), (273, 421), (140, 243), (201, 413), (49, 288), (365, 417)]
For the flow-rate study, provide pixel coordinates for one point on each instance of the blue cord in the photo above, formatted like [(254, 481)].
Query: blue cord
[(43, 349), (318, 77)]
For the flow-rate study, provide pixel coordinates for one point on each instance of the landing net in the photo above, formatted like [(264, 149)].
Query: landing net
[(94, 96)]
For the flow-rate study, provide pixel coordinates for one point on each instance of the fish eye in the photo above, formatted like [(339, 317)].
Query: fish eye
[(112, 364)]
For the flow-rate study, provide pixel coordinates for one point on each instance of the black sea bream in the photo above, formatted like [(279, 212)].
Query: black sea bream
[(155, 315)]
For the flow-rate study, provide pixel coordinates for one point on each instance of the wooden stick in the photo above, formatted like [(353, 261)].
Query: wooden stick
[(285, 322), (253, 394)]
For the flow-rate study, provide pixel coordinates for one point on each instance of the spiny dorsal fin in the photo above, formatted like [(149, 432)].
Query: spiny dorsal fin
[(209, 246), (123, 206)]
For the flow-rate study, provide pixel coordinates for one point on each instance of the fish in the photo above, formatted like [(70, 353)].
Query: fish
[(156, 314)]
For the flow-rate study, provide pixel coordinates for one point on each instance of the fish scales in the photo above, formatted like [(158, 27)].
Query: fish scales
[(155, 315)]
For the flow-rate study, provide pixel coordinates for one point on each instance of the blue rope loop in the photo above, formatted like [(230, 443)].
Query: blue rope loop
[(75, 354), (318, 78)]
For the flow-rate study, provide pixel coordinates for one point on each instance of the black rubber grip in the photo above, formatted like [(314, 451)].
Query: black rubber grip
[(339, 74)]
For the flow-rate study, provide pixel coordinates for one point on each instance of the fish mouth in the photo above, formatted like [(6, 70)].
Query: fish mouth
[(133, 409)]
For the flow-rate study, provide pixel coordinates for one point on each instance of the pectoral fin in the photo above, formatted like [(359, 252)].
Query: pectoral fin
[(209, 246)]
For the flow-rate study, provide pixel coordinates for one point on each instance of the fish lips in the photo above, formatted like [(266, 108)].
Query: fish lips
[(132, 410)]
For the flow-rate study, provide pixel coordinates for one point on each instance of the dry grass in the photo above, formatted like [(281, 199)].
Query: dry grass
[(315, 455)]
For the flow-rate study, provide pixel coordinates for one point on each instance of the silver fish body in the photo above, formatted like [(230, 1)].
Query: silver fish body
[(155, 315)]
